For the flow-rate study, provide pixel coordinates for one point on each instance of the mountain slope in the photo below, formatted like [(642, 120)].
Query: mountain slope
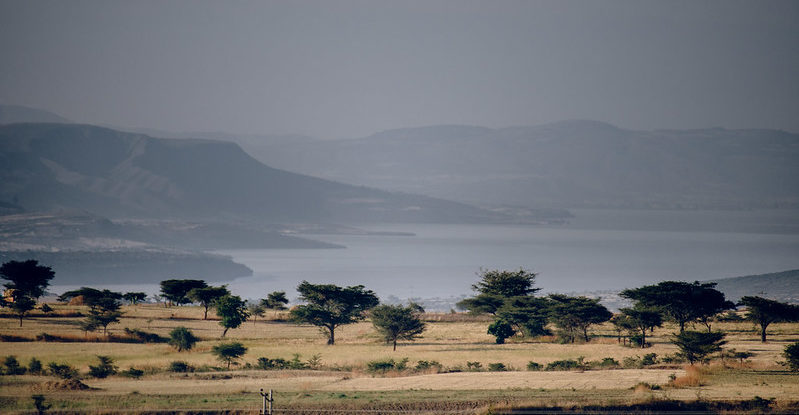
[(115, 174), (15, 113), (565, 164), (782, 286)]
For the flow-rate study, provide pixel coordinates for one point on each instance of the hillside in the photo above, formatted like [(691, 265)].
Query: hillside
[(567, 164), (117, 174), (16, 113), (782, 286)]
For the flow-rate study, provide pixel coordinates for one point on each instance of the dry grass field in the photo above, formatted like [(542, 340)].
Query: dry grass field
[(341, 380)]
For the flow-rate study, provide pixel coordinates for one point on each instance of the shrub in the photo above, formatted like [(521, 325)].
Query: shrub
[(382, 366), (672, 358), (182, 339), (501, 329), (791, 354), (63, 371), (105, 369), (607, 363), (132, 373), (12, 366), (314, 362), (296, 364), (35, 366), (427, 365), (272, 364), (497, 367), (179, 366), (649, 359), (567, 364), (474, 366), (533, 366)]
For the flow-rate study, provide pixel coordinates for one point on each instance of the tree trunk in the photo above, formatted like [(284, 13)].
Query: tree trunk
[(682, 327), (223, 334), (643, 338), (20, 320), (585, 334), (205, 315), (763, 332), (331, 339), (395, 345)]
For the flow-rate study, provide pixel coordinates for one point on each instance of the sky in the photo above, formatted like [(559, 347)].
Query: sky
[(335, 69)]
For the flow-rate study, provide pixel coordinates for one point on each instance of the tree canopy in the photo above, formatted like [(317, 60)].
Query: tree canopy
[(396, 322), (103, 305), (206, 296), (329, 306), (27, 281), (275, 300), (763, 312), (182, 338), (496, 286), (574, 315), (229, 352), (696, 345), (679, 301), (232, 310), (135, 297), (176, 291), (643, 318)]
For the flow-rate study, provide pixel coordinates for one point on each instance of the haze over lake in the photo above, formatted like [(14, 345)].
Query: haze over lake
[(598, 250)]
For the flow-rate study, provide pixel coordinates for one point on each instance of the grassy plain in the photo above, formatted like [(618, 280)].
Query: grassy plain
[(343, 382)]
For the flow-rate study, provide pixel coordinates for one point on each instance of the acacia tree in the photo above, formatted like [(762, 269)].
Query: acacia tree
[(395, 322), (508, 295), (642, 319), (232, 310), (679, 301), (176, 291), (575, 314), (182, 338), (329, 306), (27, 281), (103, 307), (763, 312), (206, 296), (696, 345), (229, 352), (134, 297), (275, 300)]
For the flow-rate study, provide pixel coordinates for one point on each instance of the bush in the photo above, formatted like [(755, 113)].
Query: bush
[(132, 373), (179, 366), (649, 359), (182, 339), (427, 365), (497, 367), (296, 364), (12, 366), (272, 364), (35, 366), (672, 358), (230, 352), (383, 366), (314, 362), (568, 364), (791, 354), (64, 371), (501, 329), (105, 369), (474, 366), (606, 363), (533, 366)]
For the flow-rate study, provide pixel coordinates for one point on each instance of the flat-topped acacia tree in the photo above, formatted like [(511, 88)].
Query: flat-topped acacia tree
[(27, 281), (329, 306)]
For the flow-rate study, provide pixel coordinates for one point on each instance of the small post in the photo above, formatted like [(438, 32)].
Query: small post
[(266, 398)]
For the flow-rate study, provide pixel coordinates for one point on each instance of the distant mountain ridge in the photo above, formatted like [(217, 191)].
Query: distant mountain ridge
[(116, 174), (568, 164), (17, 113), (781, 286)]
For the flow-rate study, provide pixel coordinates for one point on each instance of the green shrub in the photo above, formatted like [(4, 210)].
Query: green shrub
[(474, 366), (427, 365), (182, 339), (179, 366), (229, 353), (606, 363), (501, 329), (132, 373), (791, 354), (35, 366), (672, 358), (296, 364), (568, 364), (497, 367), (533, 366), (314, 362), (105, 369), (12, 366), (63, 371), (272, 364), (632, 362), (382, 366), (649, 359)]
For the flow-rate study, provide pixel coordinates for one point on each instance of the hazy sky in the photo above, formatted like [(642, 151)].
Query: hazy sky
[(351, 68)]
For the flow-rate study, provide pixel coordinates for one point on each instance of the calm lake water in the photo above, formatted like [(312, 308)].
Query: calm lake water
[(599, 250)]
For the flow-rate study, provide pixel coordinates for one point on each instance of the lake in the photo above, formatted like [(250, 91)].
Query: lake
[(599, 250)]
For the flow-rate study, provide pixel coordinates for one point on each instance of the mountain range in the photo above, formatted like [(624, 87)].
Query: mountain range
[(569, 164), (117, 174)]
